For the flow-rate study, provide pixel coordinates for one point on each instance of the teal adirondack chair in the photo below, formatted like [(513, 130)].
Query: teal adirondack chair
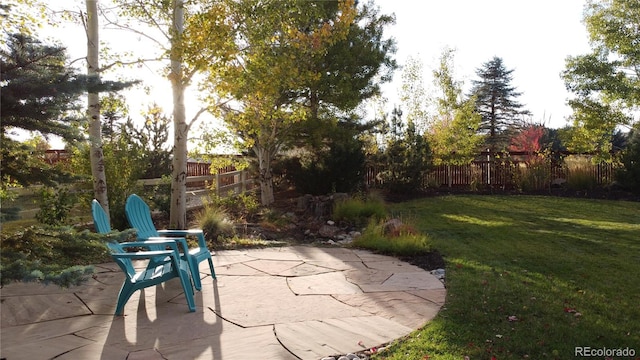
[(139, 216), (100, 219), (162, 265)]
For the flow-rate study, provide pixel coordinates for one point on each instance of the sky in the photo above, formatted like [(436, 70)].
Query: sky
[(532, 37)]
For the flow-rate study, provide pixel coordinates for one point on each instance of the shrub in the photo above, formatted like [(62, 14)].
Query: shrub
[(273, 220), (358, 212), (244, 206), (335, 166), (407, 155), (579, 174), (214, 223), (160, 194), (123, 168), (405, 242), (58, 255), (629, 174), (55, 205), (535, 175)]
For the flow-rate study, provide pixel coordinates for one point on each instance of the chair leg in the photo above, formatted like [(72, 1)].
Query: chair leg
[(125, 294), (213, 272), (195, 273), (188, 291)]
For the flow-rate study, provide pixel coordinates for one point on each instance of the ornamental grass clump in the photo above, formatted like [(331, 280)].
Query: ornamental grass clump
[(580, 174), (400, 241), (358, 212), (215, 224)]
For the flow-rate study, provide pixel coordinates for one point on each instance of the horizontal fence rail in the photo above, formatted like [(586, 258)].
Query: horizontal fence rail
[(508, 172), (490, 169), (200, 176), (232, 182)]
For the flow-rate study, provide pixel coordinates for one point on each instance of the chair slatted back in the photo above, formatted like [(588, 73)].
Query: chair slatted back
[(139, 217), (102, 225), (100, 218)]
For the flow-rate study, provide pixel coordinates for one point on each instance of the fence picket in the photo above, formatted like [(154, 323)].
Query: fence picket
[(495, 170)]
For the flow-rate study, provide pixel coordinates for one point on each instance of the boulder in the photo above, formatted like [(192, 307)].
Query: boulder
[(339, 197), (328, 231), (392, 226)]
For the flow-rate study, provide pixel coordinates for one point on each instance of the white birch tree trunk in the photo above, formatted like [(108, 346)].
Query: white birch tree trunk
[(93, 108), (178, 211), (265, 156)]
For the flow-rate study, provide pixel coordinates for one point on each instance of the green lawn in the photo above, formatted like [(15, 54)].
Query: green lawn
[(529, 277)]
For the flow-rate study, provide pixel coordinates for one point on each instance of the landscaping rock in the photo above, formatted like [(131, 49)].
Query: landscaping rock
[(438, 273), (339, 197), (318, 206), (328, 231), (392, 226), (304, 202)]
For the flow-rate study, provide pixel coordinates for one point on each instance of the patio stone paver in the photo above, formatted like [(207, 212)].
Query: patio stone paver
[(273, 267), (322, 284), (276, 303), (20, 310), (45, 349), (401, 307), (315, 339)]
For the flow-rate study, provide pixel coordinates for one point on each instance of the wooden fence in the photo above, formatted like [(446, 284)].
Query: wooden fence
[(506, 173), (199, 176), (230, 182), (490, 169)]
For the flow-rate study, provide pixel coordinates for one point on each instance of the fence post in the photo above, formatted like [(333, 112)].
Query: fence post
[(488, 168), (243, 179), (218, 184)]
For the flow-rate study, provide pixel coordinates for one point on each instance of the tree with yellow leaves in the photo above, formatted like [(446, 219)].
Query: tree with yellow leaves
[(267, 79)]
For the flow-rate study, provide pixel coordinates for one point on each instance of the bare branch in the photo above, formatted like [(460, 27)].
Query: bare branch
[(140, 33), (142, 5), (126, 63), (193, 120), (118, 26), (78, 59)]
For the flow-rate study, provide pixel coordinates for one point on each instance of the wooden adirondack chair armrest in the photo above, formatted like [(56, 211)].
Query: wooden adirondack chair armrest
[(179, 240), (144, 254)]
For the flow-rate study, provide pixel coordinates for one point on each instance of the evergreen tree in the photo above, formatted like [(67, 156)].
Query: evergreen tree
[(40, 93), (496, 102), (629, 174), (407, 156), (353, 68)]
